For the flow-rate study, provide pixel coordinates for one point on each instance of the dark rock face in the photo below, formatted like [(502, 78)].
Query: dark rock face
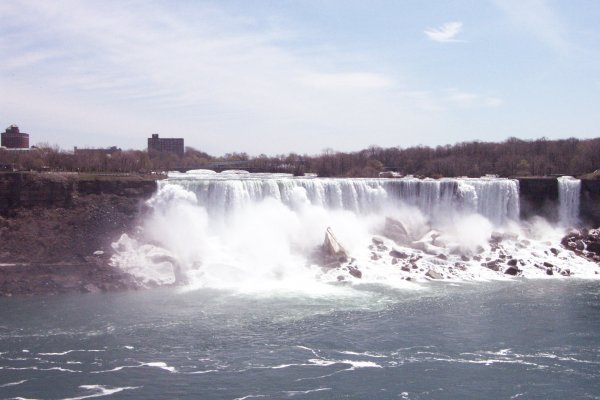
[(355, 272), (50, 231), (55, 190), (585, 243), (512, 271), (590, 201), (539, 196)]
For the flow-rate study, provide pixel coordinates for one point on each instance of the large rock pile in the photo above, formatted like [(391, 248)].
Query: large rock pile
[(585, 243)]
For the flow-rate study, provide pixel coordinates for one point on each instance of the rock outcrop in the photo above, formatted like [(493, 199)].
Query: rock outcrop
[(585, 243), (56, 230), (397, 231), (333, 248)]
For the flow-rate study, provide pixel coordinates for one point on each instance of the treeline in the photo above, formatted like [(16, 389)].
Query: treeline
[(513, 157)]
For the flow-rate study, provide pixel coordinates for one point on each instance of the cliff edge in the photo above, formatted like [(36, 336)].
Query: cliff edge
[(56, 230)]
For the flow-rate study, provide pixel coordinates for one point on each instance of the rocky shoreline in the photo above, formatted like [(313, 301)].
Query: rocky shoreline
[(56, 231)]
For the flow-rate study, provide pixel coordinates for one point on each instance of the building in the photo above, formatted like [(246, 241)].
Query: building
[(163, 145), (109, 151), (14, 139)]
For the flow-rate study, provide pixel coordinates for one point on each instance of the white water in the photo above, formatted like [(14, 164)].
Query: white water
[(569, 191), (258, 233)]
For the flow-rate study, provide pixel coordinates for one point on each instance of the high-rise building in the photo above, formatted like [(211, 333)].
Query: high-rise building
[(14, 139), (161, 145)]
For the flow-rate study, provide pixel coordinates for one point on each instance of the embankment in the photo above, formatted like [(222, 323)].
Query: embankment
[(56, 230)]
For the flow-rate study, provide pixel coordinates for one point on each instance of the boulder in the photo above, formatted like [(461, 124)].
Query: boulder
[(548, 265), (549, 271), (433, 274), (405, 268), (429, 244), (332, 247), (396, 231), (377, 241), (512, 271), (500, 236), (493, 265), (593, 247), (554, 251), (512, 262), (398, 254), (355, 272)]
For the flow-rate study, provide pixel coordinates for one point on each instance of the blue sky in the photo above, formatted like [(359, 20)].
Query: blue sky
[(299, 76)]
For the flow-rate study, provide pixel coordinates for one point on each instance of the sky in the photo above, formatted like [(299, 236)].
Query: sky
[(280, 76)]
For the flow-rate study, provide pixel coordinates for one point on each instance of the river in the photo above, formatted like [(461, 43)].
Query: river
[(518, 339)]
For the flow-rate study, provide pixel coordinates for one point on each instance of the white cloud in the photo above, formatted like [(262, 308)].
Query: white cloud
[(445, 33), (111, 73), (188, 70)]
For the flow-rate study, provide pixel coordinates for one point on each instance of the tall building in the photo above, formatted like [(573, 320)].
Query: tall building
[(161, 145), (14, 139)]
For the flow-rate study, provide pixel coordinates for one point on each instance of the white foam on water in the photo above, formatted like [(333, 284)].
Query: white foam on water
[(291, 393), (100, 391), (13, 383), (160, 365), (258, 234), (62, 353)]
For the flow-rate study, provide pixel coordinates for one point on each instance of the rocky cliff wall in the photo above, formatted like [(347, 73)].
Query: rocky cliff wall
[(50, 190), (539, 196), (590, 202), (56, 230)]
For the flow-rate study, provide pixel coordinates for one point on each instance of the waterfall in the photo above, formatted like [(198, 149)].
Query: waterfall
[(261, 232), (495, 199), (569, 191)]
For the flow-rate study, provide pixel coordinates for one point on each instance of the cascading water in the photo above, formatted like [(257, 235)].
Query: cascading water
[(260, 232), (569, 192), (495, 199)]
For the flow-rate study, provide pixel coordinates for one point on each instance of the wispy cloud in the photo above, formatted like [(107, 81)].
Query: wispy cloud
[(445, 33), (106, 73), (351, 80), (539, 19), (463, 99), (225, 81)]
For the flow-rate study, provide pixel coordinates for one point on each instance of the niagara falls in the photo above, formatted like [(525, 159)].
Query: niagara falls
[(305, 200)]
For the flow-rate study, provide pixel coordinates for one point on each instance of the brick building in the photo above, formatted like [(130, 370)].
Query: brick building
[(14, 139), (162, 145)]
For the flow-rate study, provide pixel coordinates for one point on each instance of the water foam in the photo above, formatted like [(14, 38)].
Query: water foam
[(258, 233)]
